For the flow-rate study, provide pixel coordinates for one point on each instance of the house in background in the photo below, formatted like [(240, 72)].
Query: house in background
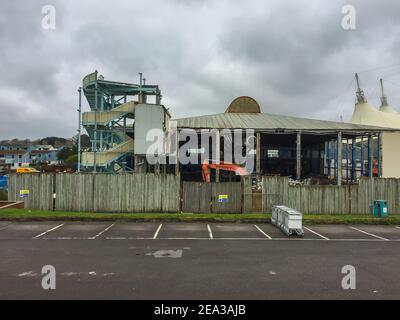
[(44, 154), (17, 155), (15, 158)]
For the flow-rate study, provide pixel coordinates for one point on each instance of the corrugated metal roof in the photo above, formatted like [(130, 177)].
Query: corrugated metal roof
[(265, 121)]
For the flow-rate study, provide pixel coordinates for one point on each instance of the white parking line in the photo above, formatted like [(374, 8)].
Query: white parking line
[(47, 231), (259, 229), (237, 239), (398, 227), (101, 232), (158, 230), (370, 234), (316, 233), (68, 238), (210, 232)]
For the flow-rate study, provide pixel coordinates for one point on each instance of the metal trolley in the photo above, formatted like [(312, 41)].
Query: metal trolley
[(288, 220)]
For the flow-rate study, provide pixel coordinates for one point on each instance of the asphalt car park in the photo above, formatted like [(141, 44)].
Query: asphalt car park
[(131, 230), (201, 231), (152, 260)]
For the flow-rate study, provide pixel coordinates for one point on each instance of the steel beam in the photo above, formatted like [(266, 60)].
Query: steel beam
[(329, 158), (379, 156), (347, 160), (258, 152), (362, 151), (339, 158), (353, 160), (298, 156), (79, 128), (370, 157)]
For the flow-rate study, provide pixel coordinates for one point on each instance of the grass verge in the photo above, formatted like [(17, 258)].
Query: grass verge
[(36, 215), (3, 195)]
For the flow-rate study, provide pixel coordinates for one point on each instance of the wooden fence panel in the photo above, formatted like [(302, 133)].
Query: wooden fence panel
[(197, 197), (40, 188), (203, 197), (142, 192), (247, 195), (234, 197), (74, 192), (274, 192)]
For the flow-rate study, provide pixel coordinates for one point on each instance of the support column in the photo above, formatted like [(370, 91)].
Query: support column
[(157, 167), (298, 156), (353, 159), (95, 126), (325, 170), (362, 157), (329, 159), (339, 158), (101, 140), (79, 128), (258, 152), (335, 171), (217, 154), (140, 97), (347, 160), (370, 157), (379, 154), (217, 174), (177, 153)]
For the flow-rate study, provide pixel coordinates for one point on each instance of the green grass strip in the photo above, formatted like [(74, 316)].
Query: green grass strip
[(36, 215)]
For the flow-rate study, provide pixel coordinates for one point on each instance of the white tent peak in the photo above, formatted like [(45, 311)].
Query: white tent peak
[(366, 114), (385, 107)]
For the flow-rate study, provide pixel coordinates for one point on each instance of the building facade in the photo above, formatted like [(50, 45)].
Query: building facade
[(17, 155)]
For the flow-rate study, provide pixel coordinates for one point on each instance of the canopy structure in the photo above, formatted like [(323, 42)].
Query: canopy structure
[(387, 117), (365, 114)]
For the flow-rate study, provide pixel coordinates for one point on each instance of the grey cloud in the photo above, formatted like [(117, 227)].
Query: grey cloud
[(292, 56)]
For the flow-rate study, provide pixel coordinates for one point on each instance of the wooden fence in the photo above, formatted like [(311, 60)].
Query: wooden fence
[(40, 190), (345, 199), (162, 193), (98, 193), (216, 197)]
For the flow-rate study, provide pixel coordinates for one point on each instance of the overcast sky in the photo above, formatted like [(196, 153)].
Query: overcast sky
[(293, 57)]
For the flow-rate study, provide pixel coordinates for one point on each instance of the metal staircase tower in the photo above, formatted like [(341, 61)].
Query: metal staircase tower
[(110, 121)]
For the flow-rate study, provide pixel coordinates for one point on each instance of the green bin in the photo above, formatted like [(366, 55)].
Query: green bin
[(380, 208)]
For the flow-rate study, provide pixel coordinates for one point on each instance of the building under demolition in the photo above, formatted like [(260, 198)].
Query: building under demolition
[(123, 114)]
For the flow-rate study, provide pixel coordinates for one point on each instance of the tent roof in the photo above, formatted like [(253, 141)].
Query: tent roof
[(365, 114)]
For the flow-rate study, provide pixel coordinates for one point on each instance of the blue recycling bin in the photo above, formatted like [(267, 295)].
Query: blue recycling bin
[(3, 182), (380, 208)]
